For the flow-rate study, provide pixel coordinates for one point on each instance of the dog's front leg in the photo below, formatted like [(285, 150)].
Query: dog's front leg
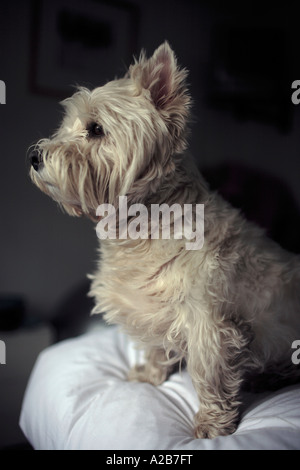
[(216, 364), (153, 371)]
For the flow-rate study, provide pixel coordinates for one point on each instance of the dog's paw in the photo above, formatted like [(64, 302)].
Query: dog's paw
[(210, 432), (147, 373), (209, 429)]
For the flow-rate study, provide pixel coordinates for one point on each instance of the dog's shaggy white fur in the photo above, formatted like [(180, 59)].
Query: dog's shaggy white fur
[(230, 310)]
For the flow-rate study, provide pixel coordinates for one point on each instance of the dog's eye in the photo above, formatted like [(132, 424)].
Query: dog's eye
[(95, 130)]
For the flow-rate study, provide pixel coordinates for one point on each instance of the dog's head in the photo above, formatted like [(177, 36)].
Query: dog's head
[(118, 139)]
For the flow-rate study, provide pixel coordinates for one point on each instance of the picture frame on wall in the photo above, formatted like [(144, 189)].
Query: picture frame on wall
[(84, 44)]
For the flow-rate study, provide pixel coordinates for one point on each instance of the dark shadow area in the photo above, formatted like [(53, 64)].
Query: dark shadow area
[(262, 199)]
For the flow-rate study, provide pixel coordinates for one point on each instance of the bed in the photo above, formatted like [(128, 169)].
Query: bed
[(78, 398)]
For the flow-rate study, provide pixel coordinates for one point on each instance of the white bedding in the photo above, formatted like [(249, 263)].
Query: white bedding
[(78, 398)]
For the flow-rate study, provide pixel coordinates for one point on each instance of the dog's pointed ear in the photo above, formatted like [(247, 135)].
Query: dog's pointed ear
[(161, 76), (166, 82)]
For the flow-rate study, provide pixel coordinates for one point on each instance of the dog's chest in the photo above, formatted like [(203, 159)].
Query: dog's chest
[(144, 287)]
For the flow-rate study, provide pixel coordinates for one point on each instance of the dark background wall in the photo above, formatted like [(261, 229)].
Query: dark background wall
[(242, 61)]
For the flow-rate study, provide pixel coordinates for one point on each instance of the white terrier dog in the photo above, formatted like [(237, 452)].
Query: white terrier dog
[(231, 309)]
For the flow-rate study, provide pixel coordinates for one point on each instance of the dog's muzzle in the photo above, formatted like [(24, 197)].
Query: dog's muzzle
[(36, 159)]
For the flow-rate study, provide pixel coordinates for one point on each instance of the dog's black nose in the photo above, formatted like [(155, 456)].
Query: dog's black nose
[(35, 159)]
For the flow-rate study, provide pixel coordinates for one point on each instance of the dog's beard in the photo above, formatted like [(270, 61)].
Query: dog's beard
[(80, 181), (69, 181), (80, 176), (63, 196)]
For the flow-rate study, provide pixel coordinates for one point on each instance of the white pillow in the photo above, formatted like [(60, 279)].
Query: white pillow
[(78, 397)]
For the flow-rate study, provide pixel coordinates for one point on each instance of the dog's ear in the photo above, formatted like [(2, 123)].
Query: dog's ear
[(161, 76), (166, 83)]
